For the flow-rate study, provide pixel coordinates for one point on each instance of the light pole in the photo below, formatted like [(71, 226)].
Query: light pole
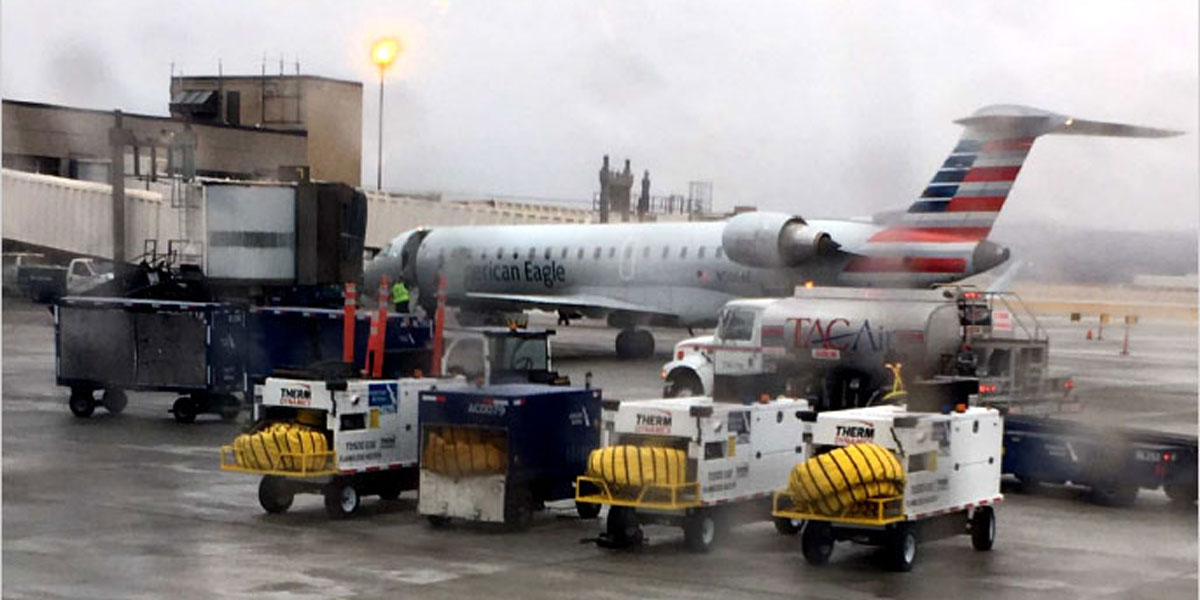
[(384, 52)]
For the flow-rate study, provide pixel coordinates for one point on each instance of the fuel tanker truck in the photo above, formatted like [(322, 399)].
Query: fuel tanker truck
[(828, 344)]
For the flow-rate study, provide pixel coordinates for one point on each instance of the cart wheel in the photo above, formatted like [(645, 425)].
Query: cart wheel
[(983, 528), (1112, 493), (700, 530), (902, 548), (82, 404), (518, 508), (587, 510), (622, 527), (184, 409), (114, 400), (275, 494), (816, 542), (788, 526), (438, 521), (1182, 495), (390, 490), (341, 499)]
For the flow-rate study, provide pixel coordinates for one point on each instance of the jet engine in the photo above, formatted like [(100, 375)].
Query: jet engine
[(766, 239)]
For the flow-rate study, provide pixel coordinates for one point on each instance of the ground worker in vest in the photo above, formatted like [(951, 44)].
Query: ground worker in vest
[(400, 297)]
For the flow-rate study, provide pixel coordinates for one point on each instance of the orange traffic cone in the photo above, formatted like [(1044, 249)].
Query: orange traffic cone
[(1089, 334)]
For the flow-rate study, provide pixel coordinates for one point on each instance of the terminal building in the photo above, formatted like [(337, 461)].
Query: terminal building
[(243, 127)]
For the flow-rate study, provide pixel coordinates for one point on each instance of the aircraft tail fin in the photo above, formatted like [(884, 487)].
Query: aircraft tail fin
[(965, 196)]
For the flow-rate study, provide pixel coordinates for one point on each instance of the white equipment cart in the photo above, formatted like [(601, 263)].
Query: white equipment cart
[(690, 462)]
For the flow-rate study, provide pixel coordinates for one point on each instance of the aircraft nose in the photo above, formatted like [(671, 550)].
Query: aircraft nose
[(988, 255)]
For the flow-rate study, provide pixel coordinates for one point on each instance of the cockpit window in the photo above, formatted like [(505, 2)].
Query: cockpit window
[(736, 325)]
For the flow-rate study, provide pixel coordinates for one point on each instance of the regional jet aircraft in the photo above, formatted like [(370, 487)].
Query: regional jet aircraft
[(680, 274)]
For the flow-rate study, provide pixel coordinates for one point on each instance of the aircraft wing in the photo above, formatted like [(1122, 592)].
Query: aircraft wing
[(568, 301)]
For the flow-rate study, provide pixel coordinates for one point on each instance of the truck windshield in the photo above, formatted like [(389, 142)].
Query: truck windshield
[(736, 325), (518, 354)]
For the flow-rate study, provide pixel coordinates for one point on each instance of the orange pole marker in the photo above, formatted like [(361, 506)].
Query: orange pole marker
[(348, 316), (439, 324), (377, 366)]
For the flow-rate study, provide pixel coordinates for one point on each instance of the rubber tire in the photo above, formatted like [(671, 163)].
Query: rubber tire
[(230, 408), (341, 499), (1182, 495), (816, 542), (983, 528), (437, 521), (700, 531), (643, 343), (621, 526), (1114, 494), (587, 510), (81, 403), (682, 385), (787, 526), (901, 549), (634, 344), (518, 509), (390, 490), (114, 400), (275, 495), (184, 410)]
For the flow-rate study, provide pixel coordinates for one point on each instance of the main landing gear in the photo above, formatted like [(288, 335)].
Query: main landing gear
[(635, 344)]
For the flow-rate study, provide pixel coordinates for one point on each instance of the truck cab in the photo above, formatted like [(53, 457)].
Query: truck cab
[(734, 348)]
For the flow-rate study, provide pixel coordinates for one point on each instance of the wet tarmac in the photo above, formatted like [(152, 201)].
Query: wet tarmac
[(134, 506)]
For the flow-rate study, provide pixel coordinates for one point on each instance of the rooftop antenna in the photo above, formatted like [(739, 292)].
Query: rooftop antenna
[(297, 64), (281, 64)]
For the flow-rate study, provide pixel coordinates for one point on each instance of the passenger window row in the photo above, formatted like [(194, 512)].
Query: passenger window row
[(597, 251)]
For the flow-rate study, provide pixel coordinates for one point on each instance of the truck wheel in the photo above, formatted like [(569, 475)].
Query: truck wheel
[(788, 526), (1115, 494), (230, 408), (622, 527), (391, 489), (983, 528), (1182, 495), (902, 548), (700, 531), (341, 499), (682, 384), (518, 509), (438, 521), (82, 404), (275, 494), (114, 400), (184, 409), (816, 542), (587, 510)]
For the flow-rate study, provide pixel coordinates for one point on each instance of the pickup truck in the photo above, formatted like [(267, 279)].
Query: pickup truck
[(47, 283)]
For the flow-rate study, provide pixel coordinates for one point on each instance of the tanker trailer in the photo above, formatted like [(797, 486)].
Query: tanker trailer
[(826, 344)]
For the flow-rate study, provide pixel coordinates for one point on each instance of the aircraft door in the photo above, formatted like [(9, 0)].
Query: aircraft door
[(628, 260)]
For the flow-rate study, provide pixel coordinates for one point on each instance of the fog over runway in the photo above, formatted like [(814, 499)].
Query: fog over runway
[(135, 506)]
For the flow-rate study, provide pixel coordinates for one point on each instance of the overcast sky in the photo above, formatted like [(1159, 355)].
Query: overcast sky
[(817, 107)]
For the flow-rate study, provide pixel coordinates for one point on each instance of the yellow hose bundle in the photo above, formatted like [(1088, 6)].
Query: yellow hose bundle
[(836, 481), (264, 449), (638, 465), (465, 451)]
